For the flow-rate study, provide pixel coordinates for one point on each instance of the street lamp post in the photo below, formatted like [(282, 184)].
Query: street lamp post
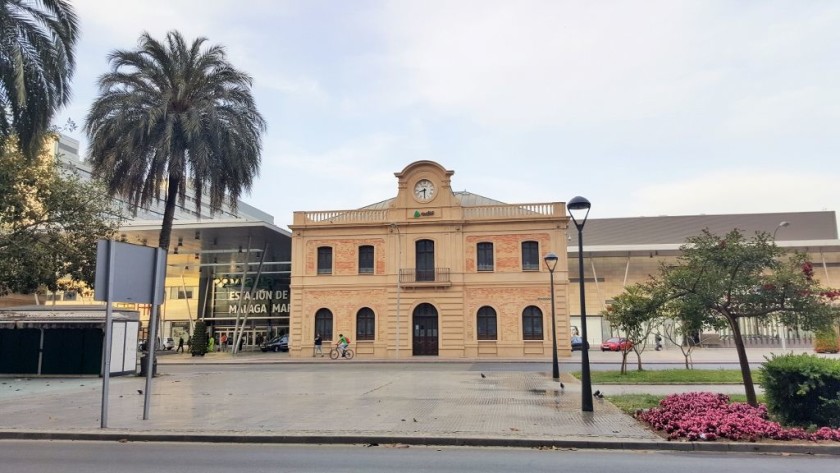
[(781, 224), (780, 328), (577, 205), (551, 263)]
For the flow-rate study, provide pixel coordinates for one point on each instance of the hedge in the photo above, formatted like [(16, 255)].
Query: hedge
[(802, 390)]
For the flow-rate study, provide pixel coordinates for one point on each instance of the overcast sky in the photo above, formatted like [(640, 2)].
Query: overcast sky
[(645, 107)]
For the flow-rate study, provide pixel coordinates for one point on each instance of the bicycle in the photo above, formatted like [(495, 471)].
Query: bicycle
[(335, 353)]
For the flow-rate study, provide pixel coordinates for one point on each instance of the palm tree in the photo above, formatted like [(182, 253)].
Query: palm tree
[(36, 63), (171, 115)]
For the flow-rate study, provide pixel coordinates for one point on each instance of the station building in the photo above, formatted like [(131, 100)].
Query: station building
[(430, 272), (219, 262)]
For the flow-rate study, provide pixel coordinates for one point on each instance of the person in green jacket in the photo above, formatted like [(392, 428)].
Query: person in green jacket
[(211, 344)]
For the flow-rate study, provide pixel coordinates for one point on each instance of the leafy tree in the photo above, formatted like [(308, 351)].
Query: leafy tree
[(198, 345), (37, 39), (682, 319), (634, 314), (172, 115), (731, 278), (50, 221)]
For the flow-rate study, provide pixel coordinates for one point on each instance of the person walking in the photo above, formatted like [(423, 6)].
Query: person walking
[(224, 343), (318, 346), (180, 345)]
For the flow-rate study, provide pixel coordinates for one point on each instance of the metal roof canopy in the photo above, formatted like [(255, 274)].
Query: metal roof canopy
[(660, 232), (68, 316), (226, 241)]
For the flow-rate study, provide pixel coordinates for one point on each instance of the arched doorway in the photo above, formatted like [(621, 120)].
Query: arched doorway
[(425, 323)]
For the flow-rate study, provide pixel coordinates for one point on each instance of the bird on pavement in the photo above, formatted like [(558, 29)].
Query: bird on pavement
[(596, 393), (562, 386), (139, 391), (482, 375)]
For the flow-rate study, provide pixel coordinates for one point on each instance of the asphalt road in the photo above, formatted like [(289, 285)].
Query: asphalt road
[(130, 457)]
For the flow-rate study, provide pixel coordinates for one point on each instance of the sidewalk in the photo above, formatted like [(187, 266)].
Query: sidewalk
[(672, 355), (274, 399)]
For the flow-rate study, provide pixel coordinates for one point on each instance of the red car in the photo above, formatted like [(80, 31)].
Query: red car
[(616, 344)]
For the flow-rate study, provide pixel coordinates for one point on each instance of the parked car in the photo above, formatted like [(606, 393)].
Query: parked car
[(166, 344), (616, 344), (577, 343), (280, 343)]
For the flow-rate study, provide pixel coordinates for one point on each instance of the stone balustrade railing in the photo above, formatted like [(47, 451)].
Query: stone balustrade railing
[(485, 212)]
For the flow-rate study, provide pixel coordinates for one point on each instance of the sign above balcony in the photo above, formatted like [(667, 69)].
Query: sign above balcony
[(425, 213)]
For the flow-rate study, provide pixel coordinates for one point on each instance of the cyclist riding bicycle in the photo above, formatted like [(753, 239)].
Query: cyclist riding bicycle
[(342, 343)]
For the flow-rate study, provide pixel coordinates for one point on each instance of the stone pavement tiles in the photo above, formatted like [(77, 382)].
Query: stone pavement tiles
[(344, 401)]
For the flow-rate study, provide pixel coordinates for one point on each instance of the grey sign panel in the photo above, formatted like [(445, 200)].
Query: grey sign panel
[(134, 273)]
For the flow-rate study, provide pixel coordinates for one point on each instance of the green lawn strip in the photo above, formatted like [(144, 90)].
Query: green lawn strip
[(676, 376), (630, 403)]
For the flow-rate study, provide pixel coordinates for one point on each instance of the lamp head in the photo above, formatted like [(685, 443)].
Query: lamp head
[(577, 205), (784, 223), (550, 261)]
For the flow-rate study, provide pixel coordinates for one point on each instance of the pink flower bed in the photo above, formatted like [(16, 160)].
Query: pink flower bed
[(710, 416)]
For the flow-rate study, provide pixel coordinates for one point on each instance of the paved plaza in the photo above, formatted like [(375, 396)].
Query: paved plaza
[(269, 397)]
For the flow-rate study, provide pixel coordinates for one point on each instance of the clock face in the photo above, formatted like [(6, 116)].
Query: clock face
[(424, 190)]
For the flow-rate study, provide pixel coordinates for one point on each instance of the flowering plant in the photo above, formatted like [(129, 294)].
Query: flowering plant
[(709, 416)]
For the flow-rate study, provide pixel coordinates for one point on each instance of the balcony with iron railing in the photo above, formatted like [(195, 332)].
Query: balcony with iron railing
[(413, 277)]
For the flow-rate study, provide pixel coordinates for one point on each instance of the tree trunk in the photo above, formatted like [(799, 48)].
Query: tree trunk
[(749, 387), (639, 361), (169, 212)]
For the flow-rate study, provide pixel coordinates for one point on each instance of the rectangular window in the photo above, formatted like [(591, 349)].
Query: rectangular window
[(485, 256), (324, 260), (182, 292), (366, 259), (530, 256)]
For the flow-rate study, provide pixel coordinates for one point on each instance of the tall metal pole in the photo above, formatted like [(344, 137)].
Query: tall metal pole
[(555, 366), (106, 348), (395, 228), (586, 389)]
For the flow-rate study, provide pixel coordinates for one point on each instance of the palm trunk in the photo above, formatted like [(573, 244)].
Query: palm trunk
[(169, 212), (749, 388)]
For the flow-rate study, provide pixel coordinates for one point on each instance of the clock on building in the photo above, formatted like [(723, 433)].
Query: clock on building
[(424, 190)]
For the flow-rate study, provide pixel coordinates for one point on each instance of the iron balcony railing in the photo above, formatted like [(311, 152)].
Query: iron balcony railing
[(410, 276)]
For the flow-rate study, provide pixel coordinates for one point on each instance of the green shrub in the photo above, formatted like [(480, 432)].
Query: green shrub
[(802, 390), (198, 347), (826, 342)]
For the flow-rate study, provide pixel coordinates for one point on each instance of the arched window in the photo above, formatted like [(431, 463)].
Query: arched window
[(532, 323), (486, 323), (324, 324), (365, 324)]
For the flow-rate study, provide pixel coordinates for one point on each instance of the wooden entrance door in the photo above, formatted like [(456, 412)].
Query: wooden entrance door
[(425, 323)]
